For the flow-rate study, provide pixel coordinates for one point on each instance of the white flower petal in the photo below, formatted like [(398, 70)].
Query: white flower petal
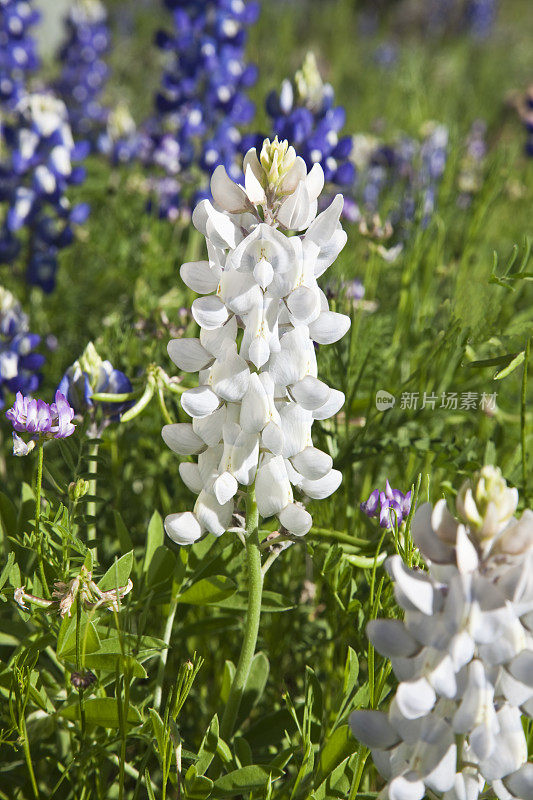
[(415, 698), (254, 190), (181, 438), (391, 638), (226, 194), (296, 519), (415, 588), (188, 354), (323, 487), (520, 783), (213, 516), (199, 402), (373, 729), (467, 558), (200, 276), (331, 407), (225, 487), (183, 528), (304, 304), (210, 428), (315, 181), (255, 408), (401, 788), (272, 487), (209, 312), (217, 341), (244, 457), (190, 475), (294, 212), (272, 438), (230, 377), (325, 225), (329, 327), (312, 463), (311, 393)]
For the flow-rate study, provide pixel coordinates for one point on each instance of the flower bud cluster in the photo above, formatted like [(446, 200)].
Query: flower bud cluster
[(259, 317), (36, 155), (20, 365), (202, 101), (18, 50), (304, 113), (90, 375), (463, 654), (84, 71)]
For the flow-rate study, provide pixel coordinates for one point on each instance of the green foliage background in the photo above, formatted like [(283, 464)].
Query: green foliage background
[(441, 309)]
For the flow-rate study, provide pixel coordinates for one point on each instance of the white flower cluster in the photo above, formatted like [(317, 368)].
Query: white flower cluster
[(260, 315), (463, 654)]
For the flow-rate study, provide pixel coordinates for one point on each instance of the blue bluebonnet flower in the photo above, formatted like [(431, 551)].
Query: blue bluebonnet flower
[(91, 375), (84, 72), (408, 171), (391, 506), (52, 421), (18, 50), (120, 141), (20, 365), (36, 155), (202, 101), (474, 17), (304, 113), (480, 17)]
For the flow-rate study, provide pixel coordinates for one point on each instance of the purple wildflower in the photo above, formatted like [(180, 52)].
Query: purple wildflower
[(391, 506), (53, 421)]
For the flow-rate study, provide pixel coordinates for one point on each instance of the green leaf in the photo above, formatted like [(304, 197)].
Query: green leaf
[(161, 735), (7, 570), (208, 748), (117, 574), (351, 672), (245, 779), (255, 686), (122, 533), (161, 566), (227, 680), (337, 748), (208, 590), (272, 602), (8, 515), (155, 536), (106, 658), (197, 787), (99, 711), (66, 641)]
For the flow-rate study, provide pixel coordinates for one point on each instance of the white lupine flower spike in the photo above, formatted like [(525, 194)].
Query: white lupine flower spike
[(463, 654), (258, 392)]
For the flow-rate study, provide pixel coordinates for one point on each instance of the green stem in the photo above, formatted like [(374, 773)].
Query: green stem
[(91, 505), (523, 420), (39, 538), (338, 536), (158, 692), (255, 588), (79, 670)]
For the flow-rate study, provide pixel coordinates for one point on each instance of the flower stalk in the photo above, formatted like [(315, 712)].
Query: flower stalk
[(253, 614)]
